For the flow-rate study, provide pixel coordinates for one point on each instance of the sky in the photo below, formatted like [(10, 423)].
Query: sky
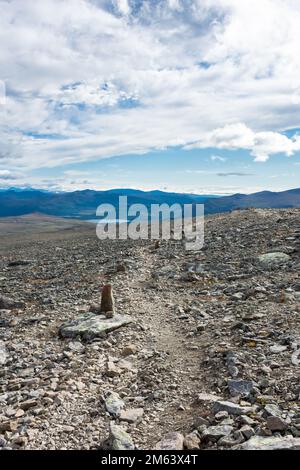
[(199, 96)]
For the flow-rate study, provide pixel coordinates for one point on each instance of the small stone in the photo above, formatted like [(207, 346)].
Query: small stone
[(132, 415), (247, 431), (114, 404), (112, 370), (221, 415), (277, 348), (129, 350), (172, 441), (191, 441), (26, 405), (244, 419), (232, 440), (9, 426), (208, 397)]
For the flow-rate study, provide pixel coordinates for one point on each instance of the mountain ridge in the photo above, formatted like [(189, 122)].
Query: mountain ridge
[(82, 204)]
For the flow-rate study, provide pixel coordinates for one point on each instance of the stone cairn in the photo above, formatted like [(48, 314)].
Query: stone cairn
[(107, 301)]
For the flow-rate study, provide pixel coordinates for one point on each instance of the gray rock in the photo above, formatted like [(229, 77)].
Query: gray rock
[(172, 441), (132, 415), (271, 443), (247, 431), (232, 440), (3, 354), (272, 410), (192, 441), (208, 397), (273, 259), (231, 408), (216, 432), (241, 388), (277, 348), (92, 326), (119, 438), (114, 404)]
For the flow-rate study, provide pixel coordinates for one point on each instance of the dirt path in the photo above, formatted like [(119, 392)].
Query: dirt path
[(170, 338)]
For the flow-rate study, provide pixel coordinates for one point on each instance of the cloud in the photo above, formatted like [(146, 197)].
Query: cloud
[(260, 144), (116, 77), (234, 174), (6, 175), (218, 158)]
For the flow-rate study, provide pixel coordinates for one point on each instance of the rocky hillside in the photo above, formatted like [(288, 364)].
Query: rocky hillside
[(203, 352)]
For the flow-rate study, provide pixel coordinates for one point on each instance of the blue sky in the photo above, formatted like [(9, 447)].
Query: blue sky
[(195, 96)]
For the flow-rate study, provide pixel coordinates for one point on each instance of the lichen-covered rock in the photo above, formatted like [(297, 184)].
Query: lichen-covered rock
[(273, 259), (91, 326), (120, 439), (271, 443)]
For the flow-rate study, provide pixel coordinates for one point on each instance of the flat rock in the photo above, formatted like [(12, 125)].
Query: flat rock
[(271, 443), (231, 408), (273, 259), (208, 397), (119, 438), (91, 326), (132, 415), (172, 441), (277, 348)]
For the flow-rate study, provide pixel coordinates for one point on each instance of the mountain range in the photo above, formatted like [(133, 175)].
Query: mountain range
[(83, 204)]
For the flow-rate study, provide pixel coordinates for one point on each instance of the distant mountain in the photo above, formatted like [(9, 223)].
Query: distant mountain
[(83, 204), (263, 200)]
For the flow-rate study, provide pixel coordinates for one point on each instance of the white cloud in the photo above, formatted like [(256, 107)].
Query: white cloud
[(239, 136), (6, 175), (112, 77), (218, 158)]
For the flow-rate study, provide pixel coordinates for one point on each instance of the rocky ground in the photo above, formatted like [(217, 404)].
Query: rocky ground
[(210, 358)]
